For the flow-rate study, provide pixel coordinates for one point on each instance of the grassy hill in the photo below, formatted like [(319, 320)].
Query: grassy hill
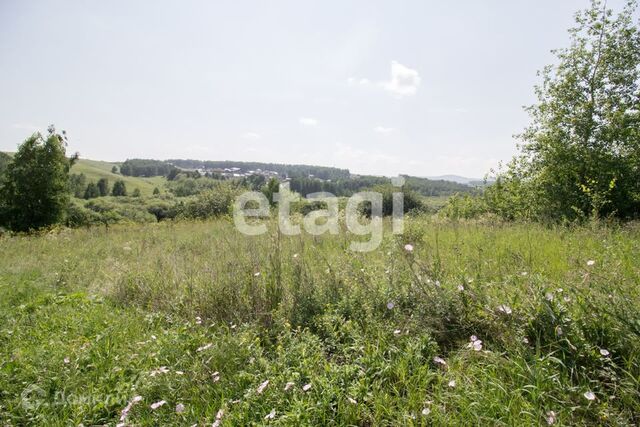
[(94, 170)]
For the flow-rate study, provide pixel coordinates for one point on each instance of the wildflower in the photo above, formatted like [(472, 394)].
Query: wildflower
[(524, 274), (604, 352), (566, 299), (504, 309), (551, 418), (437, 283), (426, 411), (179, 373), (452, 383), (288, 386), (204, 347), (559, 331), (125, 411), (440, 361), (198, 320), (591, 262), (215, 376), (262, 386), (589, 395), (126, 248), (549, 296), (306, 387), (461, 288), (390, 305), (66, 361), (218, 420), (153, 337), (256, 274), (179, 408), (352, 401), (160, 370), (295, 256), (156, 405), (525, 340), (475, 343), (397, 332), (271, 415), (408, 247)]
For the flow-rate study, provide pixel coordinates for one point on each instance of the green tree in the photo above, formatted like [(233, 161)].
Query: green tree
[(35, 187), (91, 191), (5, 159), (136, 193), (581, 153), (156, 191), (77, 184), (272, 187), (114, 170), (119, 188), (103, 187)]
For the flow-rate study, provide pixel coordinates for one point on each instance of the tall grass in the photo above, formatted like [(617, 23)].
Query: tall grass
[(362, 329)]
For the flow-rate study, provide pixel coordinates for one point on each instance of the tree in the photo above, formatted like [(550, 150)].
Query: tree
[(156, 191), (77, 184), (272, 187), (114, 170), (103, 187), (35, 187), (136, 193), (92, 191), (5, 159), (119, 188), (581, 153)]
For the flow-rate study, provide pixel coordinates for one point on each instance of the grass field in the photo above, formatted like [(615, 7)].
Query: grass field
[(299, 331), (95, 170)]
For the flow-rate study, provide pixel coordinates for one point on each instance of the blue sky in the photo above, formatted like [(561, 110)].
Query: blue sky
[(418, 87)]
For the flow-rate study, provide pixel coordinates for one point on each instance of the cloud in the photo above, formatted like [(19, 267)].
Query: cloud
[(382, 129), (308, 121), (251, 135), (404, 81)]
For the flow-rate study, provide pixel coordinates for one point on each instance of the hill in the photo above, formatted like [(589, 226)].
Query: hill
[(94, 170)]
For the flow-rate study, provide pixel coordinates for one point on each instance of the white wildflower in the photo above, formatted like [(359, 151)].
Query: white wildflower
[(426, 411), (408, 247), (589, 395), (215, 376), (160, 370), (591, 262), (306, 387), (461, 288), (218, 420), (604, 352), (66, 361), (390, 305), (503, 308), (452, 383), (549, 296), (262, 386), (551, 418), (271, 415), (352, 401), (156, 405), (204, 347), (179, 408), (397, 332), (288, 386), (125, 411), (256, 274), (198, 320), (440, 361), (475, 343)]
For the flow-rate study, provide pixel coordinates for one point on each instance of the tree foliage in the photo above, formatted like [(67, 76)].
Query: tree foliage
[(580, 155), (119, 188), (35, 187)]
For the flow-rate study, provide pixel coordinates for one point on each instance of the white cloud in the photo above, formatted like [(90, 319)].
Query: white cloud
[(251, 135), (308, 121), (404, 81), (382, 129)]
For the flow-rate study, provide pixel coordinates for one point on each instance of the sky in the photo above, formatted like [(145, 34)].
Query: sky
[(379, 87)]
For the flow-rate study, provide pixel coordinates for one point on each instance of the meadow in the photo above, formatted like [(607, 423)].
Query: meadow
[(191, 323)]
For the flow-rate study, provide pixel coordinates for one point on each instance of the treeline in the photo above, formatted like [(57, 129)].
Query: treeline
[(80, 188), (146, 168), (347, 187), (291, 171)]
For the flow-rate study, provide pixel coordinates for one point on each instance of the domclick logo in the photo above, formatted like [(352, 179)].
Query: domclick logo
[(363, 214)]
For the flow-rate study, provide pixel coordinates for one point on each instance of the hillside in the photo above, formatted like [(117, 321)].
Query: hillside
[(94, 170)]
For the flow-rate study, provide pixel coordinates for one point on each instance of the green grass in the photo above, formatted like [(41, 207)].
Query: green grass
[(86, 317), (95, 170)]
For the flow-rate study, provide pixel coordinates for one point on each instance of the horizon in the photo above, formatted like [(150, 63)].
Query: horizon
[(379, 90)]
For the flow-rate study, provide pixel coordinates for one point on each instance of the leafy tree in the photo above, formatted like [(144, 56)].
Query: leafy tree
[(581, 153), (114, 170), (156, 191), (136, 193), (119, 188), (103, 187), (272, 187), (92, 191), (5, 159), (77, 184), (35, 187)]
